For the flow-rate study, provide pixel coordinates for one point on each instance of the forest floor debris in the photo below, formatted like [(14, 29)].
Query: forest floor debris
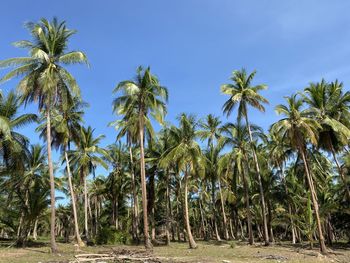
[(207, 252)]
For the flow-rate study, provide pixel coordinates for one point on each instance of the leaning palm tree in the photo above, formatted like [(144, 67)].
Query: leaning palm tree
[(85, 159), (65, 129), (299, 128), (140, 97), (186, 153), (243, 94), (330, 106), (45, 80)]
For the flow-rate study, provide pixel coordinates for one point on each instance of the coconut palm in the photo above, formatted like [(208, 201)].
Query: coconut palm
[(299, 128), (45, 80), (210, 130), (236, 136), (330, 106), (243, 94), (85, 158), (186, 152), (65, 128), (12, 142), (140, 97)]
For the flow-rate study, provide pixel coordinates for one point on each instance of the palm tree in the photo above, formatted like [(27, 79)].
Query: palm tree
[(45, 80), (85, 158), (299, 128), (140, 97), (330, 106), (12, 142), (186, 152), (210, 129), (280, 151), (243, 94), (65, 128), (236, 136)]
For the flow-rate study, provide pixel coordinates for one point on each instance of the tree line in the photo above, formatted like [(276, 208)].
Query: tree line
[(200, 178)]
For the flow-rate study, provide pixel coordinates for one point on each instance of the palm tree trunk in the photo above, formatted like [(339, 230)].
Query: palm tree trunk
[(227, 237), (86, 226), (54, 248), (289, 206), (314, 201), (262, 198), (214, 209), (135, 217), (168, 204), (148, 243), (35, 229), (191, 241), (75, 215), (249, 215), (347, 190)]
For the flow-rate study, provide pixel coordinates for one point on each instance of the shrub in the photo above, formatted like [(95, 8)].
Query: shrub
[(111, 236)]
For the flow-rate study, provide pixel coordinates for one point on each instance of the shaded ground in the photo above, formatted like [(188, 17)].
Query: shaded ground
[(207, 252)]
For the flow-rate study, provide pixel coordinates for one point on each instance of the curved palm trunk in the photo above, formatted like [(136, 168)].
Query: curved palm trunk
[(226, 235), (249, 215), (75, 216), (191, 241), (314, 201), (148, 243), (54, 248), (261, 190), (135, 218)]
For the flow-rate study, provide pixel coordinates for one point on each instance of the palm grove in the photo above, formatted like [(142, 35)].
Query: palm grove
[(198, 179)]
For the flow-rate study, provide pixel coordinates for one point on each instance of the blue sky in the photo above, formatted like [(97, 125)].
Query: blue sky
[(192, 46)]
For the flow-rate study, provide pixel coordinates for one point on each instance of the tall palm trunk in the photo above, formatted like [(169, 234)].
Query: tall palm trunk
[(75, 215), (148, 243), (261, 192), (226, 235), (191, 241), (168, 204), (54, 248), (249, 215), (86, 226), (214, 209), (314, 201), (135, 218)]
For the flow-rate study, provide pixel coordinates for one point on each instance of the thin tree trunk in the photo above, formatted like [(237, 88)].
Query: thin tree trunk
[(314, 202), (191, 241), (54, 248), (167, 198), (148, 243), (75, 215), (261, 192), (86, 226), (135, 217), (249, 215), (227, 237), (214, 209)]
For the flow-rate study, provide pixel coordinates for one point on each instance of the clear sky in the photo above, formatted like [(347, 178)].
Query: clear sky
[(192, 46)]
